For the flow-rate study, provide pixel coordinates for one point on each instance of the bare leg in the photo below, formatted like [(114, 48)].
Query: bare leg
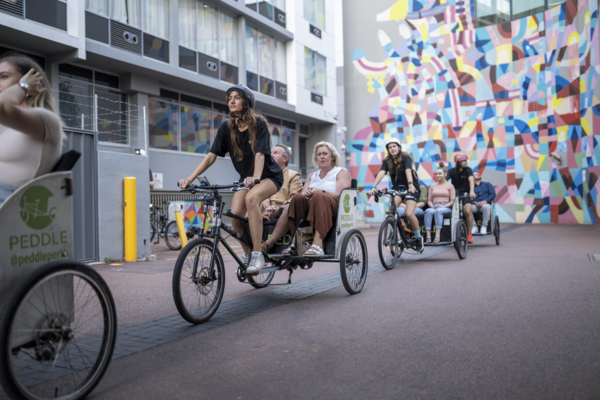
[(238, 207), (280, 228), (318, 240), (469, 216), (410, 214), (428, 235), (255, 196)]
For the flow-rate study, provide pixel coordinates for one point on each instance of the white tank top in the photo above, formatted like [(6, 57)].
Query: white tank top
[(329, 183)]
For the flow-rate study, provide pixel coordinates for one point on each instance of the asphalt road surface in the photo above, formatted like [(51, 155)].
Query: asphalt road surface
[(515, 321)]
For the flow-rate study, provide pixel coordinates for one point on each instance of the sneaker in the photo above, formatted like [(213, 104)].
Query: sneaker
[(419, 246), (470, 239), (245, 259), (257, 262), (475, 230), (483, 230)]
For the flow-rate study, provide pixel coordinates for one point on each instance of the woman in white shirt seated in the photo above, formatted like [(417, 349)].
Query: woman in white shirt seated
[(318, 201), (30, 129)]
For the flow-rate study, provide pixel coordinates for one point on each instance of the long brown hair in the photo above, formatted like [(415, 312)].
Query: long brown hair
[(399, 158), (23, 64), (252, 118)]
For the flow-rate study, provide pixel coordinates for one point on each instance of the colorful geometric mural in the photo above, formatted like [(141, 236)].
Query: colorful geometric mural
[(519, 98)]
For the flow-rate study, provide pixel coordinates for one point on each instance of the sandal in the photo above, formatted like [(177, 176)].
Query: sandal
[(428, 241), (264, 248), (290, 251), (314, 251), (436, 240)]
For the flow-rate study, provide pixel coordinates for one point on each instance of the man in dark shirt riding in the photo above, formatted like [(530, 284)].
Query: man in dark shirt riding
[(462, 179)]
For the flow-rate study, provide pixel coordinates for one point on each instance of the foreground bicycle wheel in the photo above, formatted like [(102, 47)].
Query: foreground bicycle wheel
[(354, 261), (461, 244), (197, 297), (172, 236), (388, 244), (57, 333)]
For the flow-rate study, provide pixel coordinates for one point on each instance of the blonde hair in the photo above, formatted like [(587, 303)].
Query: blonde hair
[(23, 64), (332, 150)]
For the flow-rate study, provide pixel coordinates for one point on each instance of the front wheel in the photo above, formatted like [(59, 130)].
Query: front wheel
[(354, 261), (497, 230), (57, 333), (388, 244), (172, 236), (197, 297), (460, 242)]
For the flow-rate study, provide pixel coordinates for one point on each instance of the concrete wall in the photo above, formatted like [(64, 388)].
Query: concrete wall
[(520, 99), (112, 169)]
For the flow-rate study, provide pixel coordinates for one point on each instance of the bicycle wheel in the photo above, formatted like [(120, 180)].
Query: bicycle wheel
[(172, 236), (354, 261), (57, 333), (197, 299), (261, 280), (497, 230), (388, 244), (460, 243)]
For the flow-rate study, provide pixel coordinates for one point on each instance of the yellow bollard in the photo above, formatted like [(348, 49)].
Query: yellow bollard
[(181, 228), (130, 225)]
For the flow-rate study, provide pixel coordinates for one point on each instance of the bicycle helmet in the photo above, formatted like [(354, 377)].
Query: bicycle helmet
[(245, 92), (460, 157), (393, 140)]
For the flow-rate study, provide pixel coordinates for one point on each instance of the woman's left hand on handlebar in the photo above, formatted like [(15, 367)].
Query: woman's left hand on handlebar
[(249, 182), (411, 188), (183, 183)]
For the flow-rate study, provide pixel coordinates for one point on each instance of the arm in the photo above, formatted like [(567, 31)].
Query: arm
[(491, 193), (409, 178), (307, 184), (259, 164), (343, 182), (204, 165), (430, 197), (452, 196), (25, 120), (472, 187), (378, 179)]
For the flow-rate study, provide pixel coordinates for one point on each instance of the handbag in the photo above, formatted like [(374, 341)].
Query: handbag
[(304, 239)]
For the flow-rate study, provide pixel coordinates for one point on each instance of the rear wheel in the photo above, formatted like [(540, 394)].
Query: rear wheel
[(198, 297), (354, 261), (388, 244), (497, 230), (172, 236), (57, 333), (460, 242)]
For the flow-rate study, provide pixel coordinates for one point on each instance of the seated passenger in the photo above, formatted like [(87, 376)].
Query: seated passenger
[(420, 205), (440, 199), (462, 180), (292, 184), (485, 195), (318, 202), (31, 132)]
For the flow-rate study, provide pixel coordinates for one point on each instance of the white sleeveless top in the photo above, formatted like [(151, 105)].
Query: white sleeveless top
[(329, 183)]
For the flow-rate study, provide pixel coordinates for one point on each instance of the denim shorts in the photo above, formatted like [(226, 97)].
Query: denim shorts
[(6, 191)]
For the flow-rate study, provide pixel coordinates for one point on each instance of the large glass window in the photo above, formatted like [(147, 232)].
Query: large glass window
[(265, 62), (97, 6), (251, 44), (208, 30), (266, 50), (283, 132), (187, 23), (228, 38), (314, 11), (126, 11), (280, 62), (77, 90), (184, 123), (155, 14), (525, 8), (315, 71)]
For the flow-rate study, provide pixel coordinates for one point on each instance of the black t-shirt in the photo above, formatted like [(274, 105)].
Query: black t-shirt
[(460, 181), (245, 167), (399, 177)]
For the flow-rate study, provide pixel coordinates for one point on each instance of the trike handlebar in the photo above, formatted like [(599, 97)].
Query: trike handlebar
[(199, 188)]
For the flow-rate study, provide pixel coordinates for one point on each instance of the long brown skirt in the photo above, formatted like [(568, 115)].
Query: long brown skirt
[(319, 212)]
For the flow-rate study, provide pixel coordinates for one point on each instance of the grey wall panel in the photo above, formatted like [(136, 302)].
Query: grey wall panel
[(12, 8), (48, 12), (112, 169), (125, 37), (96, 27), (85, 196), (208, 65)]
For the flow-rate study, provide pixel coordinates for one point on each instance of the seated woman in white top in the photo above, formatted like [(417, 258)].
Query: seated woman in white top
[(318, 201), (30, 129)]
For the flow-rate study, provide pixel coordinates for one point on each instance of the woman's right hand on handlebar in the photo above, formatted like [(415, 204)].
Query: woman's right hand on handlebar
[(371, 192), (183, 183)]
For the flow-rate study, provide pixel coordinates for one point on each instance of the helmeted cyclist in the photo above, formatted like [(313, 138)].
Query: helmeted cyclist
[(462, 179), (246, 138), (400, 166)]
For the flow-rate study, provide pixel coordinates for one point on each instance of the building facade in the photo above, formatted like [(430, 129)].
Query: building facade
[(512, 84), (144, 81)]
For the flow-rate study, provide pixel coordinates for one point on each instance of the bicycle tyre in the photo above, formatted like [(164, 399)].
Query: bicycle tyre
[(172, 236), (195, 313), (54, 336), (354, 261), (497, 230), (388, 255), (259, 284), (461, 245)]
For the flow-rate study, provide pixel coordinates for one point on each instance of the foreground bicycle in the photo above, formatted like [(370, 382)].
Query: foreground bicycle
[(58, 324), (199, 274)]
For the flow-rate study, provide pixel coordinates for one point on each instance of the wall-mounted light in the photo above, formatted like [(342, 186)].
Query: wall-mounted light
[(140, 152)]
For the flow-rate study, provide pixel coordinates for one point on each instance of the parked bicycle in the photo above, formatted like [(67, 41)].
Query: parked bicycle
[(168, 230)]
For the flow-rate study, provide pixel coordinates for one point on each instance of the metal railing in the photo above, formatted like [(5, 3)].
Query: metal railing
[(161, 200)]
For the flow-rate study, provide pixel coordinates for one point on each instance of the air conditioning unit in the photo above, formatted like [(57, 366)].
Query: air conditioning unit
[(208, 65), (281, 91), (12, 7), (125, 37)]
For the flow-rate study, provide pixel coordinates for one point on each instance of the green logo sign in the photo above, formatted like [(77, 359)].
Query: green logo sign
[(347, 203), (34, 207)]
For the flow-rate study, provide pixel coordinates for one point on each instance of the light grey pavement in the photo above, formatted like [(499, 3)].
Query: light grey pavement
[(520, 320)]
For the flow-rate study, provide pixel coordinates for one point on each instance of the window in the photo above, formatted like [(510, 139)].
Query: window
[(265, 63), (492, 12), (187, 23), (208, 30), (228, 38), (126, 11), (283, 132), (155, 14), (525, 8), (184, 123), (314, 11), (315, 71), (273, 10), (77, 89), (97, 6)]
